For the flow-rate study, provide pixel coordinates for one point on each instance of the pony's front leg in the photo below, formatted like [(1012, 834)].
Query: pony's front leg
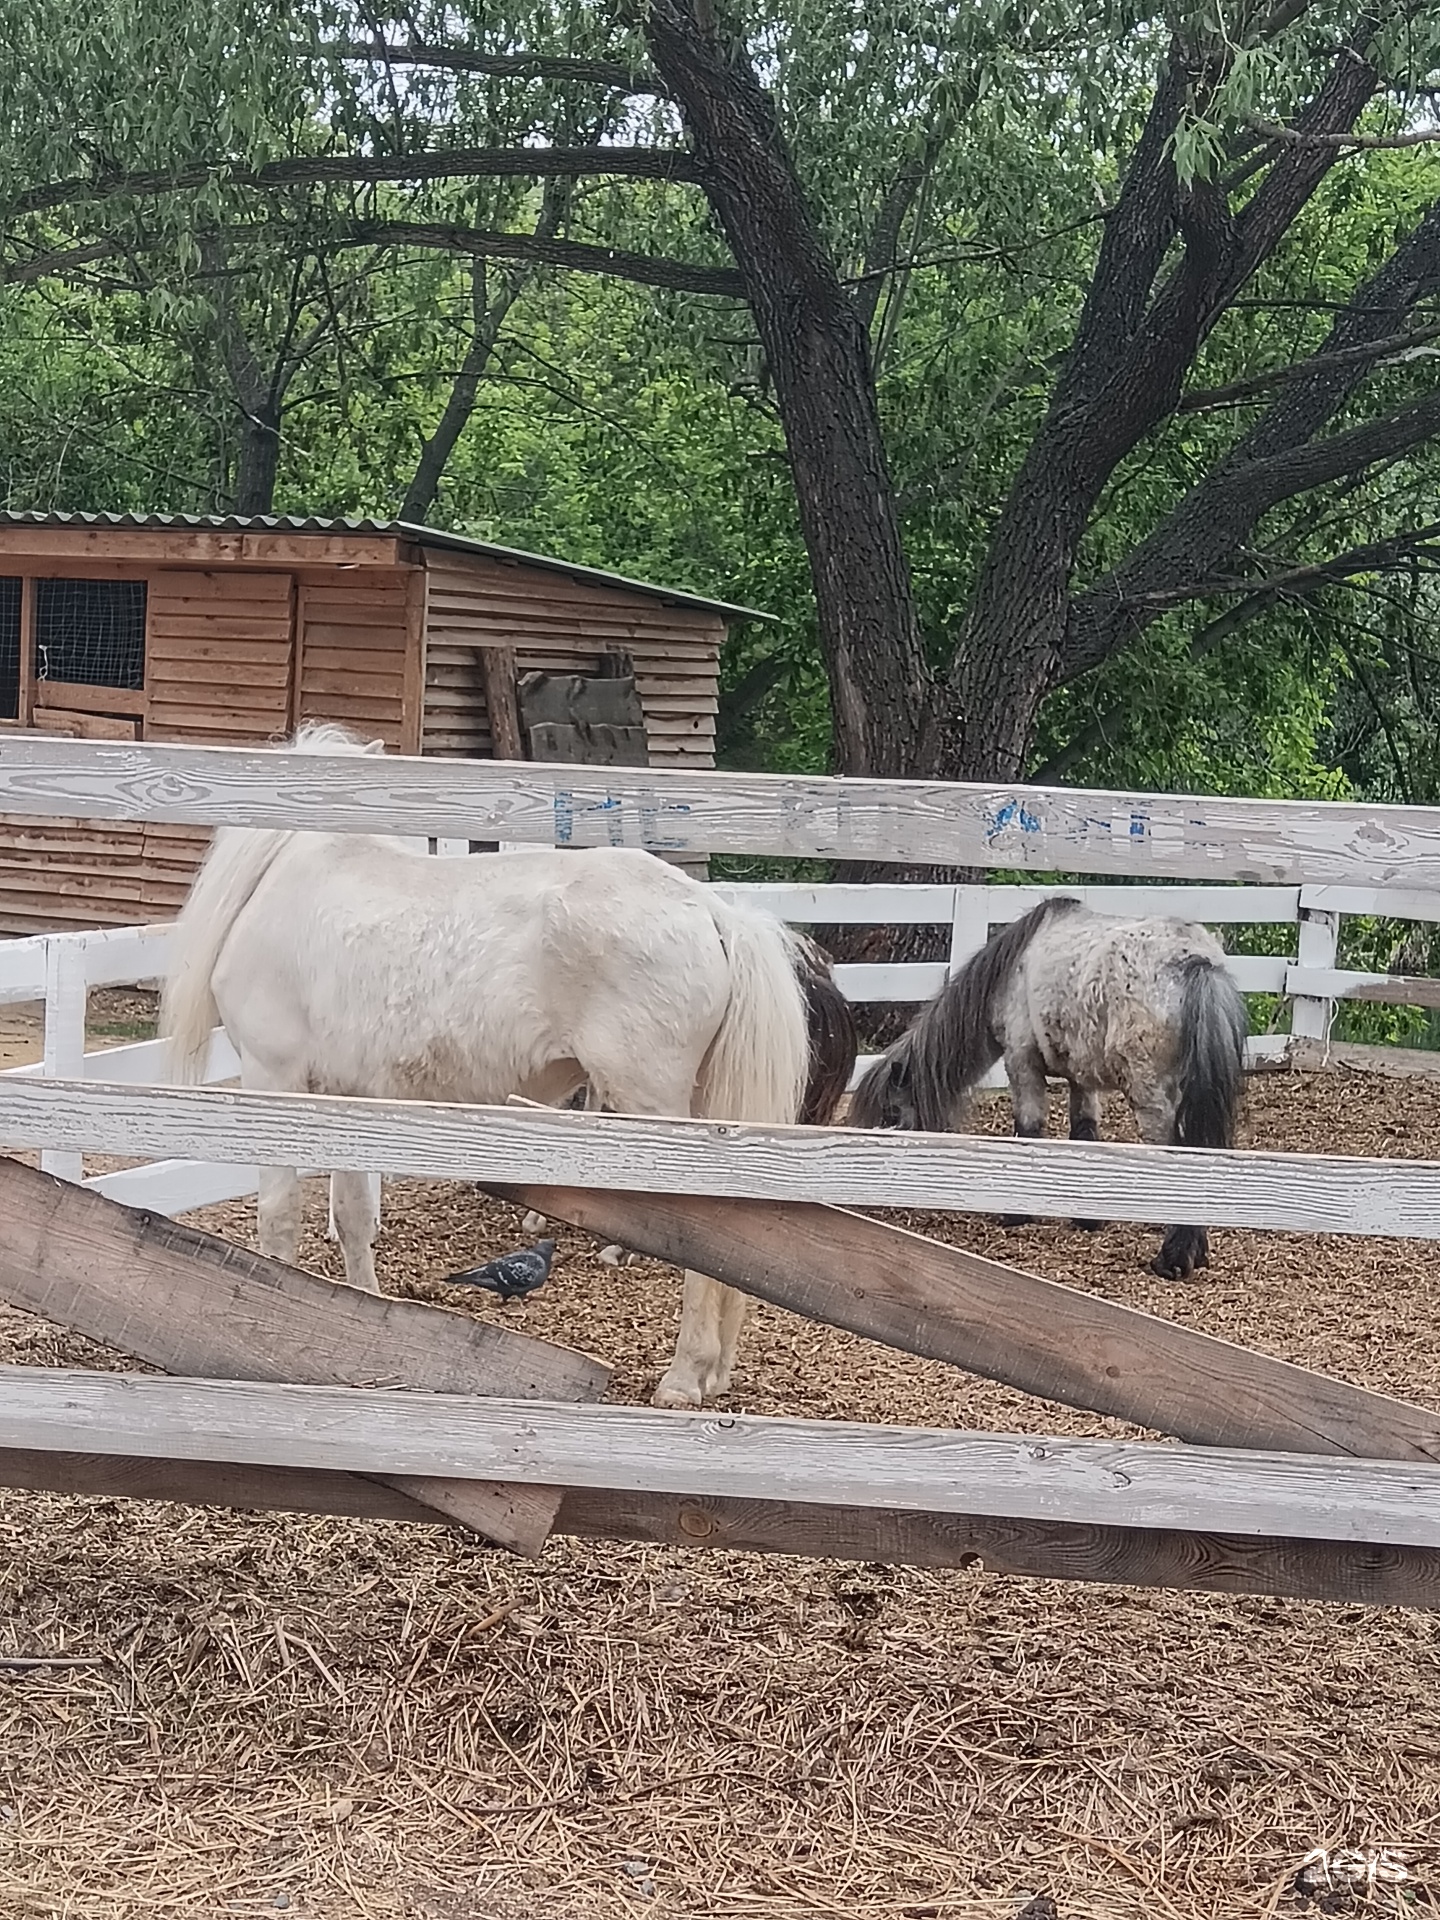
[(278, 1213), (711, 1319), (1029, 1097), (1184, 1250), (1085, 1125), (352, 1200)]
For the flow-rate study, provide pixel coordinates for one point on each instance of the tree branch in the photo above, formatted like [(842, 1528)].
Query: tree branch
[(575, 256), (1341, 142), (1276, 459), (1394, 346), (1294, 584), (645, 269), (460, 163), (1096, 731), (503, 66), (487, 318)]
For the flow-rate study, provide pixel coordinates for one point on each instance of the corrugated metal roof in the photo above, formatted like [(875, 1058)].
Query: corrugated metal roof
[(395, 529)]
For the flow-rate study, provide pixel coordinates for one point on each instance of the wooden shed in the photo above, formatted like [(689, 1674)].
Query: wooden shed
[(226, 631)]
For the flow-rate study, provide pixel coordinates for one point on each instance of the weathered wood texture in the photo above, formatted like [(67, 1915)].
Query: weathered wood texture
[(353, 650), (499, 676), (667, 809), (218, 656), (1130, 1556), (185, 1301), (1304, 1193), (560, 625), (996, 1320), (1318, 1056), (821, 1462)]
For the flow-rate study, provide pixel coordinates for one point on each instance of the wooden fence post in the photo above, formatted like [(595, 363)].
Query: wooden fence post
[(1311, 1017), (970, 928), (64, 1051)]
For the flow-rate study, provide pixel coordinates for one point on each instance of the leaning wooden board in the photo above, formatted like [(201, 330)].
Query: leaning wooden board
[(1333, 1570), (183, 1300), (996, 1320)]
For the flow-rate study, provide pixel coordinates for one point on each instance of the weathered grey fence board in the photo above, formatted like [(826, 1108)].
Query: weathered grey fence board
[(1130, 1556), (185, 1301), (683, 811), (821, 1462), (1303, 1193), (998, 1321)]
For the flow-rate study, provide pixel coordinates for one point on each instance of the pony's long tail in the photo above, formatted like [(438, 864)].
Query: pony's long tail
[(1213, 1026), (834, 1037), (237, 861), (954, 1040), (759, 1061)]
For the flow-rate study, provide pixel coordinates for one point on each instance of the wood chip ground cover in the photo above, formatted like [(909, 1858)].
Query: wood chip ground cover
[(326, 1719)]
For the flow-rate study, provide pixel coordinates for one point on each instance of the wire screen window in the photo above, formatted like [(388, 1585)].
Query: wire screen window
[(89, 633)]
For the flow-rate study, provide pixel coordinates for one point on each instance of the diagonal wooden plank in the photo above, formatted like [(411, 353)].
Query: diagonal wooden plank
[(192, 1304), (825, 1462), (996, 1320), (1339, 1571)]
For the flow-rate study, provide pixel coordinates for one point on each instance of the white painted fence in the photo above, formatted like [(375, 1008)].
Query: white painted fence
[(1304, 865), (58, 970)]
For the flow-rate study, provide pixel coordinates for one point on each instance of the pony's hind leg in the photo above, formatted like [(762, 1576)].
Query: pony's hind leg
[(711, 1315), (278, 1213), (711, 1320), (352, 1199), (1029, 1098), (1184, 1250), (1085, 1125)]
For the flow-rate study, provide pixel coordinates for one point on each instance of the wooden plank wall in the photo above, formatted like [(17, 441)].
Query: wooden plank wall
[(352, 634), (218, 661), (217, 673), (558, 624)]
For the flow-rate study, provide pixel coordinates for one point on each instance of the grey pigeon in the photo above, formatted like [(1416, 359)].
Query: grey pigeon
[(513, 1275)]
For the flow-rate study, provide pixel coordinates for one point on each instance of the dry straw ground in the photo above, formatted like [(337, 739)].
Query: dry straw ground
[(332, 1718)]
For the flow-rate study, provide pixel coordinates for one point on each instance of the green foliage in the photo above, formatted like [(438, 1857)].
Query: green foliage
[(636, 429)]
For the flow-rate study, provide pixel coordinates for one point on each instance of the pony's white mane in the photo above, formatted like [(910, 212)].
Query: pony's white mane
[(328, 736)]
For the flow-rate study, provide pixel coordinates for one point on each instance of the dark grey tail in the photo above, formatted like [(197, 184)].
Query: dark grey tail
[(922, 1079), (834, 1041), (1213, 1026)]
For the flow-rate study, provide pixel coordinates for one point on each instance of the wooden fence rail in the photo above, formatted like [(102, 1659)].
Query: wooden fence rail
[(734, 1456), (1302, 1193), (1064, 830), (1342, 1572)]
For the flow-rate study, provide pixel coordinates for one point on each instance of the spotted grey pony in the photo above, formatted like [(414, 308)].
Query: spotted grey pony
[(1142, 1006)]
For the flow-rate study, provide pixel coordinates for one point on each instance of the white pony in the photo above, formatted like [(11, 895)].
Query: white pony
[(352, 965)]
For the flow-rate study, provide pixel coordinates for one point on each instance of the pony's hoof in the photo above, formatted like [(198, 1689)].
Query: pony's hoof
[(1182, 1255), (680, 1398)]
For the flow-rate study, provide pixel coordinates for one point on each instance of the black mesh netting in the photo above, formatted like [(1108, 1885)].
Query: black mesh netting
[(9, 649), (90, 631)]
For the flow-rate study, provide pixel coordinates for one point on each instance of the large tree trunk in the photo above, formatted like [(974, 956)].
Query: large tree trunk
[(258, 465), (819, 357)]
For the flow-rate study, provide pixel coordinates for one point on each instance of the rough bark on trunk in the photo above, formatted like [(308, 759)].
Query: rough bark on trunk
[(258, 465), (819, 358)]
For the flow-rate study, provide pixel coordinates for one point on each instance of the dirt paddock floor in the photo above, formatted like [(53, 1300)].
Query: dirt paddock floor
[(334, 1718)]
